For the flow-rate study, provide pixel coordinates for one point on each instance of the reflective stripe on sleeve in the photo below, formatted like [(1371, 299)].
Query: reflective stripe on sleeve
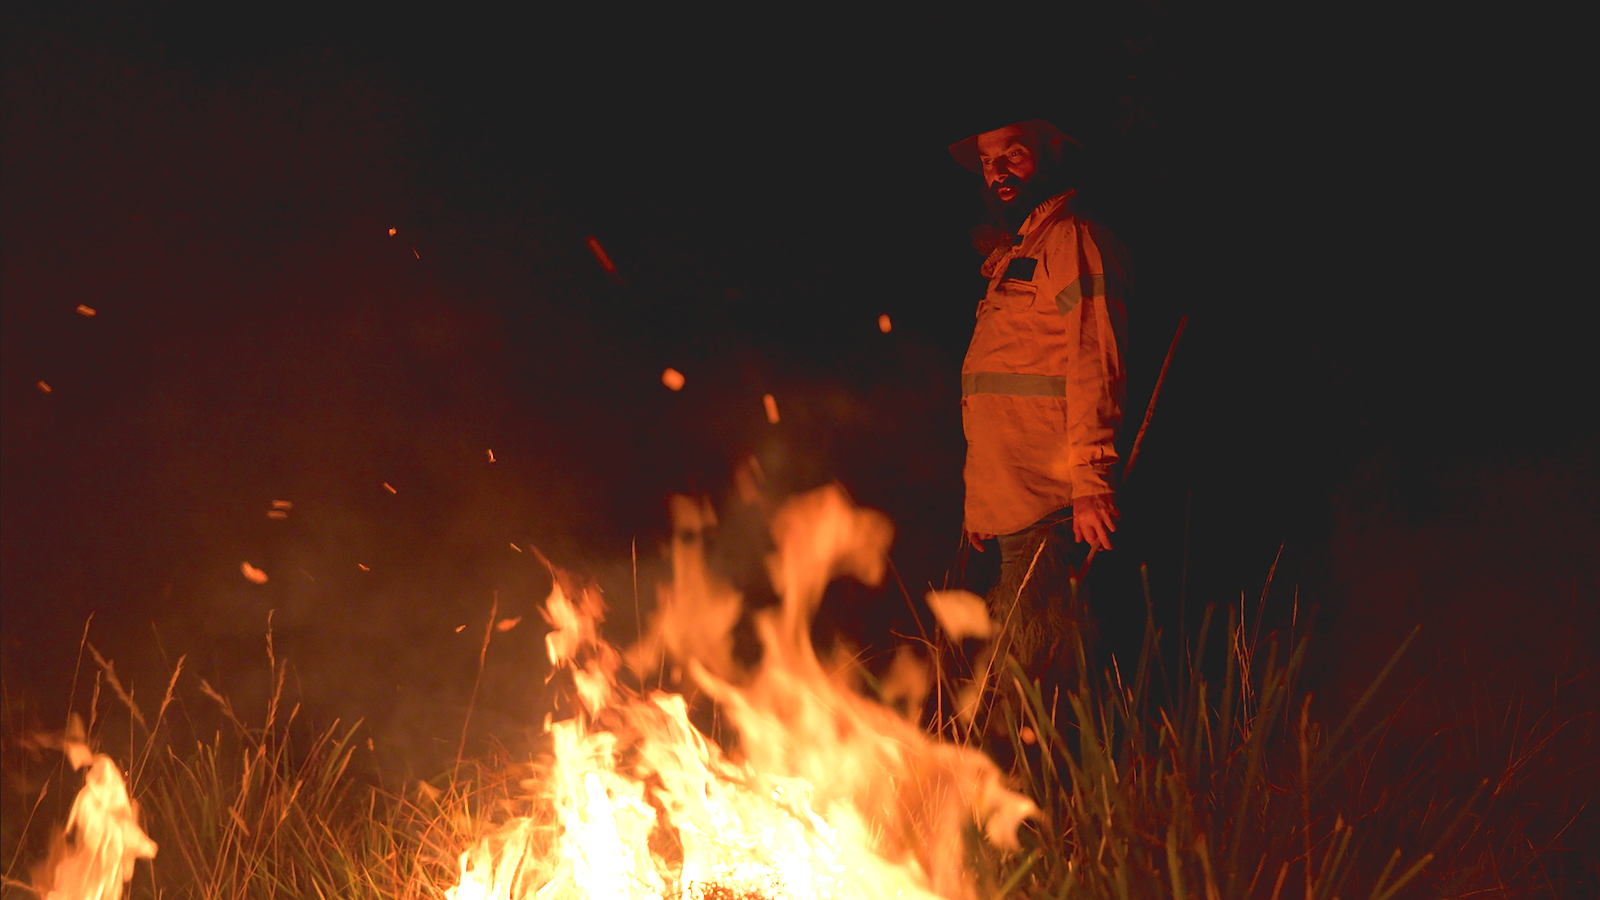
[(1013, 384), (1067, 300)]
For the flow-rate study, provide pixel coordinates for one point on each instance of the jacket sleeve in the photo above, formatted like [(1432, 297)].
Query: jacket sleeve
[(1095, 379)]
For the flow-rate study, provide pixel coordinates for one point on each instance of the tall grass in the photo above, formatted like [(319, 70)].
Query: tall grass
[(275, 809), (1153, 784), (1200, 789)]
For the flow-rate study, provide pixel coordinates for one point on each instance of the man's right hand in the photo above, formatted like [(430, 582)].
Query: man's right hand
[(976, 540)]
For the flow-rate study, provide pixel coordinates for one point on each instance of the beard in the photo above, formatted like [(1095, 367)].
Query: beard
[(1010, 214)]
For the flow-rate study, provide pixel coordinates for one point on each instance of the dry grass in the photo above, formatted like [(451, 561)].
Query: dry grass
[(1208, 789)]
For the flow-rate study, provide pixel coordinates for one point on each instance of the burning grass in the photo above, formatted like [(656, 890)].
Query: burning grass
[(1148, 783)]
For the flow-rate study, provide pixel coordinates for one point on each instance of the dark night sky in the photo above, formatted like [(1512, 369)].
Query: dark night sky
[(1371, 230)]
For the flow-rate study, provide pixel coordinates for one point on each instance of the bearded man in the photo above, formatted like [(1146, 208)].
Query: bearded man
[(1042, 385)]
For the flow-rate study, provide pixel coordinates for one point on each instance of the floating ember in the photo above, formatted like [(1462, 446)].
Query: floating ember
[(830, 795)]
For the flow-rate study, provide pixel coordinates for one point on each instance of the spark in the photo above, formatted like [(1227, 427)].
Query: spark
[(86, 311), (277, 514), (672, 378), (771, 404), (883, 323), (460, 628), (362, 567), (414, 251), (253, 574), (47, 389), (390, 488), (391, 232), (507, 624), (282, 504), (600, 254), (491, 455), (516, 548)]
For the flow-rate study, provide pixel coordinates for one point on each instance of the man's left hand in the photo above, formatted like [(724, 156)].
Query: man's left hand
[(1094, 518)]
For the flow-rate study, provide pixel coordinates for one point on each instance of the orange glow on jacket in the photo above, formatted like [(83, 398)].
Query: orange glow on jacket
[(1043, 382)]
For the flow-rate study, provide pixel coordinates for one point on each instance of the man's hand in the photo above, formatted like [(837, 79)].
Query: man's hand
[(976, 540), (1093, 519)]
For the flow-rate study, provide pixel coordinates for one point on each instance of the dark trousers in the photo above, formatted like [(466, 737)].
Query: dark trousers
[(1036, 604)]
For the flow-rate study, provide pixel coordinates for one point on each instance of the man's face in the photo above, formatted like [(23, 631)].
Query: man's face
[(1010, 157)]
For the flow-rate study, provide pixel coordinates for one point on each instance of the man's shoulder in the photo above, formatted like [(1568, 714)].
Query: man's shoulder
[(1079, 223)]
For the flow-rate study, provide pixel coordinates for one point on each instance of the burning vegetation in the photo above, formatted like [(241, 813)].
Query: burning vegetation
[(831, 795), (1125, 782)]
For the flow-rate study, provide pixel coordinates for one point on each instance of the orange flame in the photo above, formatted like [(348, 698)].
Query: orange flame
[(834, 796), (104, 826)]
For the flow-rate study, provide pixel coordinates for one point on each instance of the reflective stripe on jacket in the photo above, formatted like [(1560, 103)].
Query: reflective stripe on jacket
[(1042, 385)]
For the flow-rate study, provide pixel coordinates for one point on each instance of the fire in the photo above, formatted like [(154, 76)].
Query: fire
[(830, 795), (103, 827)]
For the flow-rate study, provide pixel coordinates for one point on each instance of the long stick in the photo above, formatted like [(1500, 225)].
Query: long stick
[(1138, 439)]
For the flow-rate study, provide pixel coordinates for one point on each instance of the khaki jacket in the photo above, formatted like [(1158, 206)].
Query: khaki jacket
[(1043, 383)]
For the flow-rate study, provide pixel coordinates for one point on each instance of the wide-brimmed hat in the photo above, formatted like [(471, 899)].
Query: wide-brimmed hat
[(966, 150)]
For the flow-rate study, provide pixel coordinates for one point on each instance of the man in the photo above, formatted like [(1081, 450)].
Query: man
[(1042, 384)]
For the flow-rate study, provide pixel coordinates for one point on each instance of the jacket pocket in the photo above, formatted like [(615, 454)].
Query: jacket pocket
[(1013, 295)]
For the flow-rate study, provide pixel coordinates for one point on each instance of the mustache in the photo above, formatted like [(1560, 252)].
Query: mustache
[(994, 190)]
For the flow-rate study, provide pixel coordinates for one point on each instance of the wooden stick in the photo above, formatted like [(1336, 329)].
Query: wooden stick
[(1138, 439)]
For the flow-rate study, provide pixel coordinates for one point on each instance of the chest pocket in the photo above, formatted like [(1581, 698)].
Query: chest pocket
[(1016, 288)]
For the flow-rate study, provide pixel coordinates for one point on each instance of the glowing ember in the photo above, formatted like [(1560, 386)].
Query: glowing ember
[(253, 574), (85, 311), (772, 408), (390, 488), (44, 388), (883, 323), (392, 232), (834, 796), (102, 840), (601, 255), (672, 378)]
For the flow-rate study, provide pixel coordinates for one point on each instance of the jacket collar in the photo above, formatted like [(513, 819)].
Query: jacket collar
[(1043, 212)]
